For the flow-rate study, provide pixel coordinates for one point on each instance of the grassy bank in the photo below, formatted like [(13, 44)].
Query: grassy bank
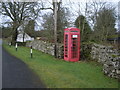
[(56, 73)]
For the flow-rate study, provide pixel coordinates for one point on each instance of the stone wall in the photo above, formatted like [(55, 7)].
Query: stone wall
[(46, 47), (109, 57)]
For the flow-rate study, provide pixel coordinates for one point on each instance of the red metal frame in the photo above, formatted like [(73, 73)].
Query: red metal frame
[(72, 44)]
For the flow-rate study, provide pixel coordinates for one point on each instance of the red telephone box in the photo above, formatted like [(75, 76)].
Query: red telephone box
[(72, 44)]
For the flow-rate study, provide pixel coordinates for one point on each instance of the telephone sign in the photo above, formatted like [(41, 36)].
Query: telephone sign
[(75, 36)]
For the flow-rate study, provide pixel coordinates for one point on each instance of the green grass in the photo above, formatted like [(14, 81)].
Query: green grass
[(56, 73)]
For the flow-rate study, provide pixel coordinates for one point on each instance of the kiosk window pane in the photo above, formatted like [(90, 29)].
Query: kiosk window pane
[(66, 45), (74, 48)]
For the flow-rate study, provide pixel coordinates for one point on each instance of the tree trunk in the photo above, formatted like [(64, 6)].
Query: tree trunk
[(24, 37), (14, 36), (15, 33)]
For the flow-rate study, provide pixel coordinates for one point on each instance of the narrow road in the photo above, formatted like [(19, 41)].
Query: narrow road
[(16, 74)]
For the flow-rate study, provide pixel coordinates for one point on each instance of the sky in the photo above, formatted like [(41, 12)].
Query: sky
[(72, 4)]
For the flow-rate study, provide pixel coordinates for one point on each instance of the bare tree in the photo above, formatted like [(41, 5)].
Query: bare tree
[(18, 13), (92, 10), (57, 13), (105, 24)]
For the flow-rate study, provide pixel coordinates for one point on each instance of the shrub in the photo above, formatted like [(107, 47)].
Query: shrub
[(85, 50)]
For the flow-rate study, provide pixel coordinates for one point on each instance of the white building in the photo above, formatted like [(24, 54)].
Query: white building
[(22, 34), (26, 37)]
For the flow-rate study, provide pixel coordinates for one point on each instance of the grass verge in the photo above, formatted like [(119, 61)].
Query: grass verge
[(56, 73)]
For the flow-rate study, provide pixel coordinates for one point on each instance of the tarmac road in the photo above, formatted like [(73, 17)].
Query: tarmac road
[(16, 74)]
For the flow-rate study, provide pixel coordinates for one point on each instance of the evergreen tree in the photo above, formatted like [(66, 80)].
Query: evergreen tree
[(84, 27)]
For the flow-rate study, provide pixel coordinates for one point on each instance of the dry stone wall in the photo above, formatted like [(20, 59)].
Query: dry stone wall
[(109, 57), (46, 47)]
